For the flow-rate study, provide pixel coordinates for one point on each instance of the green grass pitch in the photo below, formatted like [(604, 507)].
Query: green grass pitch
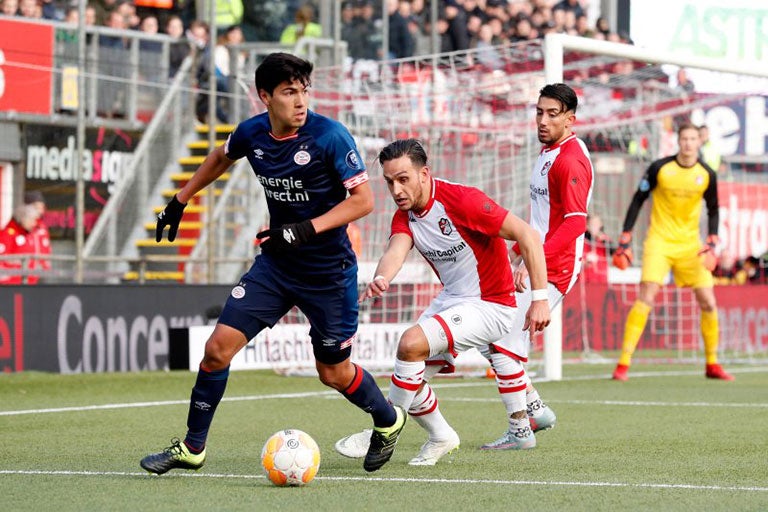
[(666, 440)]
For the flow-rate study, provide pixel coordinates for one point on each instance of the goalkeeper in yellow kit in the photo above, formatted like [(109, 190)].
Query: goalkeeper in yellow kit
[(677, 185)]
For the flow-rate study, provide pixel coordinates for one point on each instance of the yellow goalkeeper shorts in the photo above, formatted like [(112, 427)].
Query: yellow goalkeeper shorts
[(659, 257)]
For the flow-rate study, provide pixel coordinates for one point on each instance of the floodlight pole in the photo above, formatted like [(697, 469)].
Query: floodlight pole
[(79, 175), (212, 100)]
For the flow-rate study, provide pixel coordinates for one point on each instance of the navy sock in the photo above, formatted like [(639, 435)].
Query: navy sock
[(364, 393), (206, 396)]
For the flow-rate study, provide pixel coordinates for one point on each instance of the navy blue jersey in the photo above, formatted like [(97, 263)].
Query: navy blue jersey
[(304, 175)]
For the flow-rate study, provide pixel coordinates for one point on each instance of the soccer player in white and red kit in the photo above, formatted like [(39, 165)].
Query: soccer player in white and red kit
[(460, 231), (561, 189)]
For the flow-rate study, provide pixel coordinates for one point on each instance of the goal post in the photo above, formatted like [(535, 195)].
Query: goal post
[(555, 46)]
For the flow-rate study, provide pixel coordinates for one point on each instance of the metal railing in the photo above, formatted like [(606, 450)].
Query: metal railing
[(239, 212), (129, 201), (126, 75)]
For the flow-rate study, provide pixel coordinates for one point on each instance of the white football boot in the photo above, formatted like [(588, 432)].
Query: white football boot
[(354, 446), (433, 451)]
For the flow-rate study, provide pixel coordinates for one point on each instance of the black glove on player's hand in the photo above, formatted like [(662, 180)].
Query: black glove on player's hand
[(288, 235), (170, 216)]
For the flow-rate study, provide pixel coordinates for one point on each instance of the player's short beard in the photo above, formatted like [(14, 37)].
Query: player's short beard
[(417, 205), (547, 139), (553, 137)]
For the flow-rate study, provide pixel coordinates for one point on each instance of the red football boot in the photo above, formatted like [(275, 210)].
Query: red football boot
[(715, 371), (620, 373)]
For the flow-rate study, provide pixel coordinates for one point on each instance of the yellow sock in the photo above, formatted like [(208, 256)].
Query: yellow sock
[(633, 329), (710, 331)]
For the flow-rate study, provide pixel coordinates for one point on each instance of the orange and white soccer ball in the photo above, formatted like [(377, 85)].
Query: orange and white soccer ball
[(290, 457)]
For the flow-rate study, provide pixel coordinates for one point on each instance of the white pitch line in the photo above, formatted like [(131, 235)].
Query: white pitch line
[(634, 403), (663, 373), (438, 385), (542, 483), (664, 404), (130, 405), (162, 403)]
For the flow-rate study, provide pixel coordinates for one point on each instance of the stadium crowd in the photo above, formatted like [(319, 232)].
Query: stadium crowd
[(462, 24)]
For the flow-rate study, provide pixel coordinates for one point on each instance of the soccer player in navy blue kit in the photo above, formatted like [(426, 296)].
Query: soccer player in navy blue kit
[(315, 184)]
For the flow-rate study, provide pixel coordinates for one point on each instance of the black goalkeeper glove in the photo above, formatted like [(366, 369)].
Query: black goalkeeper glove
[(288, 236), (170, 216)]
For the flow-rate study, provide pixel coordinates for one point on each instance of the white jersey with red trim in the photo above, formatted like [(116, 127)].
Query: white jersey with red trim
[(458, 235), (561, 186)]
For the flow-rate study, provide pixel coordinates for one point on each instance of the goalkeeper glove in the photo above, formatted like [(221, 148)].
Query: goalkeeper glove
[(622, 258), (288, 235), (170, 216), (707, 253)]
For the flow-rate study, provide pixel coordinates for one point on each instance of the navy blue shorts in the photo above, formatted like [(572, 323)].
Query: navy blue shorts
[(266, 293)]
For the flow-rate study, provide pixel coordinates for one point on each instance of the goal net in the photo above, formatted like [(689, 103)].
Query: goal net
[(474, 112)]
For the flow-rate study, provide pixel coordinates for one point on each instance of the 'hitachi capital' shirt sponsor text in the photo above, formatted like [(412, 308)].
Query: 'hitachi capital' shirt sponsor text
[(449, 254)]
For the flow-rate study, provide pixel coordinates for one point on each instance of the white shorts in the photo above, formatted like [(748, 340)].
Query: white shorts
[(517, 342), (454, 325)]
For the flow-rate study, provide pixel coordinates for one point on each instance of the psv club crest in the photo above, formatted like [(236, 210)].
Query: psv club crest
[(445, 226), (302, 158)]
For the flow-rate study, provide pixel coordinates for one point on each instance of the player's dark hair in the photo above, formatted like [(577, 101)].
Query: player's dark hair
[(404, 147), (562, 93), (280, 67)]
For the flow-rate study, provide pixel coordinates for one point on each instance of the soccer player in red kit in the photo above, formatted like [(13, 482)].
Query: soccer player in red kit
[(460, 231), (561, 189)]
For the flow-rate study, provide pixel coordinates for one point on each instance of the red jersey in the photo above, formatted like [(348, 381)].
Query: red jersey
[(596, 253), (41, 246), (14, 239), (458, 235), (561, 187)]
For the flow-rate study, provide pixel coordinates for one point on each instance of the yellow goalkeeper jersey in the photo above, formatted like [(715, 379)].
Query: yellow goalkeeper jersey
[(677, 194)]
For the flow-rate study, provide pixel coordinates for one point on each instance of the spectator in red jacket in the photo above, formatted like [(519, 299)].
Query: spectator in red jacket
[(16, 239), (41, 238)]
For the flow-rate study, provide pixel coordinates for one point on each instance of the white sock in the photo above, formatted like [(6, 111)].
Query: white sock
[(406, 380), (425, 411), (533, 402), (531, 395), (510, 379), (519, 425)]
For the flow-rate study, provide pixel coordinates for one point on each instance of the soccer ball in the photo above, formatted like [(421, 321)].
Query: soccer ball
[(290, 457)]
